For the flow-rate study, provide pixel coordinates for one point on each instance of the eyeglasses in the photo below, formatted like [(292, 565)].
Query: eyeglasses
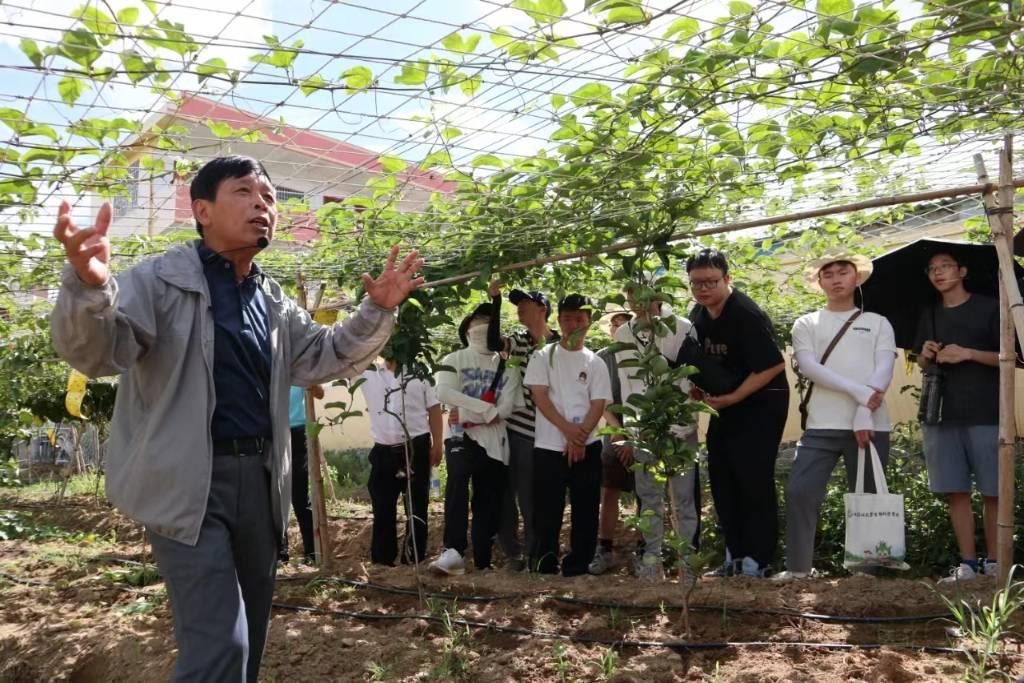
[(704, 284), (941, 268)]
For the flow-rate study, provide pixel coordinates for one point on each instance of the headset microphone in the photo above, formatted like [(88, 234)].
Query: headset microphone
[(263, 243)]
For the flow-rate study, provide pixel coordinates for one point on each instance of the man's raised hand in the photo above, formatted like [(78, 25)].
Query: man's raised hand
[(395, 283), (88, 249)]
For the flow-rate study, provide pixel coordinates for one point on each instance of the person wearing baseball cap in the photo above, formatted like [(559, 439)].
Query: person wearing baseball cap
[(476, 382), (570, 386), (533, 310), (847, 355)]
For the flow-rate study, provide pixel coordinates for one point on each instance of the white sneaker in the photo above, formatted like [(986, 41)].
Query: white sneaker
[(961, 572), (786, 576), (648, 569), (990, 568), (750, 567), (450, 562)]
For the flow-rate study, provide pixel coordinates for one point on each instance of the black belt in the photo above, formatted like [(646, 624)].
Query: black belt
[(253, 445)]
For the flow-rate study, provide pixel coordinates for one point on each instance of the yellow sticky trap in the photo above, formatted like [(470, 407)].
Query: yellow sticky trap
[(76, 393), (326, 317)]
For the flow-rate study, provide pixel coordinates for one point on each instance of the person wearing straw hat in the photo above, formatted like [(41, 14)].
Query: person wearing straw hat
[(848, 356)]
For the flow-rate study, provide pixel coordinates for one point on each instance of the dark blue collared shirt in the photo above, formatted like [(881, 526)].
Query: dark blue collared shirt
[(241, 356)]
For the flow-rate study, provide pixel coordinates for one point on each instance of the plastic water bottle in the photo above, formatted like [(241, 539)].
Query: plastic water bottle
[(435, 483)]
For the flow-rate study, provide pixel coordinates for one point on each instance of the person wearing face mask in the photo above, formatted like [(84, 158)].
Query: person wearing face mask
[(478, 384)]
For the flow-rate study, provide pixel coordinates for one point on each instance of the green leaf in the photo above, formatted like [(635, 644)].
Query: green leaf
[(211, 67), (454, 42), (128, 16), (70, 89), (557, 101), (470, 85), (626, 15), (392, 164), (738, 8), (310, 85), (834, 8), (414, 73), (488, 160), (450, 133), (541, 11), (31, 50), (682, 29), (357, 78), (50, 155), (591, 92), (80, 46), (220, 129), (437, 158)]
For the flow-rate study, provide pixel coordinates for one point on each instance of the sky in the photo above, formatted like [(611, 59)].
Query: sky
[(511, 115)]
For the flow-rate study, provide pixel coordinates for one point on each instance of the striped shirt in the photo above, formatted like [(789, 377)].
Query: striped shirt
[(520, 350)]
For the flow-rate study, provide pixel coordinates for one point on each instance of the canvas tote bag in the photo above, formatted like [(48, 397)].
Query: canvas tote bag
[(874, 521)]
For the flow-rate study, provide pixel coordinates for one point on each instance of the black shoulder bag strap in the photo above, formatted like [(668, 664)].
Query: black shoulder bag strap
[(806, 399)]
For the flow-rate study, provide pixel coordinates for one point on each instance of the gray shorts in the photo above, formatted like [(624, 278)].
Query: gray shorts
[(956, 452)]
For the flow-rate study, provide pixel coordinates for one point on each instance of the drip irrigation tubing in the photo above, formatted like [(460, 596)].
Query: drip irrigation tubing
[(813, 616), (676, 645)]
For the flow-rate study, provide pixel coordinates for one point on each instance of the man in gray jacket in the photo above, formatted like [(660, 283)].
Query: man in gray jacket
[(207, 346)]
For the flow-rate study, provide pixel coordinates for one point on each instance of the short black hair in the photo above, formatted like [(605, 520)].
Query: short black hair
[(708, 258), (943, 252), (215, 171)]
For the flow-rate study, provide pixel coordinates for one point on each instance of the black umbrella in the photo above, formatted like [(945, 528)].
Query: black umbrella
[(899, 288)]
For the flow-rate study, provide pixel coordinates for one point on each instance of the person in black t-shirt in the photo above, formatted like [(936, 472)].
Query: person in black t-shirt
[(743, 439), (960, 334)]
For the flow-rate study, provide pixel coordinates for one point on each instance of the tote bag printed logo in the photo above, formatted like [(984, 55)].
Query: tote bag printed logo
[(874, 521)]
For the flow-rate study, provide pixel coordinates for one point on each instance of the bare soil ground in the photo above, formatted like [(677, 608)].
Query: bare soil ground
[(73, 609)]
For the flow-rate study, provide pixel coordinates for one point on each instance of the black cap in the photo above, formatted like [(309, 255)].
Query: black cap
[(481, 310), (575, 302), (517, 295)]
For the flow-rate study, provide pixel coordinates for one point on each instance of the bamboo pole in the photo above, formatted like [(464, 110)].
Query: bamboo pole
[(1010, 313), (736, 227), (321, 537)]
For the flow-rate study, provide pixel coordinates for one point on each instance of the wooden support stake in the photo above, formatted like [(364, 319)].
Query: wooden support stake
[(1011, 315), (321, 535)]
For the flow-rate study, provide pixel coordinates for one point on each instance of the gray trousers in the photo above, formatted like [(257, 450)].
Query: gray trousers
[(816, 456), (684, 492), (221, 588), (518, 498)]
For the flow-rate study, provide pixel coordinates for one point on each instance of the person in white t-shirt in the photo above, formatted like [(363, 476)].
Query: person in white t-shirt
[(570, 386), (847, 407), (684, 487), (401, 458), (485, 391)]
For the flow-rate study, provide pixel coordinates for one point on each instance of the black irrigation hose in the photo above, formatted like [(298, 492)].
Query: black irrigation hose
[(812, 616), (675, 645)]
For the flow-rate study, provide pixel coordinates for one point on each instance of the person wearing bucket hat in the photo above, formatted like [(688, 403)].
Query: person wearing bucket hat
[(846, 356), (476, 382), (533, 310), (958, 340)]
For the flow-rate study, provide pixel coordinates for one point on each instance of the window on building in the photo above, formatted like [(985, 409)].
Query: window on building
[(129, 199), (284, 194)]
